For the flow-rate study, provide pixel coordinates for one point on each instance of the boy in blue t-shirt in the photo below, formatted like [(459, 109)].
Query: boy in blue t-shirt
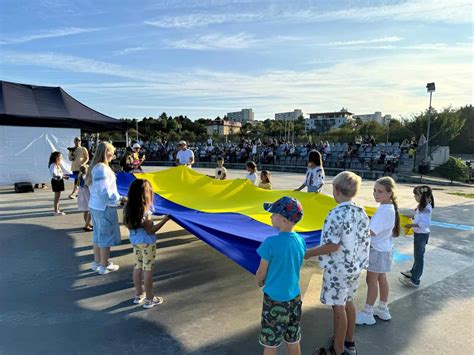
[(279, 274)]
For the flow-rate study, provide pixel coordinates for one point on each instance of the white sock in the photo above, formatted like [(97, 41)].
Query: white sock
[(383, 305), (368, 309)]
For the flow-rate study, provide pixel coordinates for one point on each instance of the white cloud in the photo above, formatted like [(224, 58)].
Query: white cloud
[(439, 47), (215, 41), (393, 84), (60, 32), (423, 11), (129, 50), (199, 20), (390, 39)]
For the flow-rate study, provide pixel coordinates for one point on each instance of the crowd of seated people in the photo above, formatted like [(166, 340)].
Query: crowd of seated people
[(361, 154)]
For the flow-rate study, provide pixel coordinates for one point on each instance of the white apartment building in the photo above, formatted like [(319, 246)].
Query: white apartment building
[(375, 117), (244, 115), (325, 121), (288, 116)]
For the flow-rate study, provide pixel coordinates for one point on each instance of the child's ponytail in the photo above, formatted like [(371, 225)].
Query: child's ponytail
[(390, 186), (396, 228), (426, 196)]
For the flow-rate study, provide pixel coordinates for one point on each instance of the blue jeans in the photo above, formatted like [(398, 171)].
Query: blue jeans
[(421, 239)]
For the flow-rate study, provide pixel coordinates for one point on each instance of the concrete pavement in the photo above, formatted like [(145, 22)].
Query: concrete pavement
[(51, 303)]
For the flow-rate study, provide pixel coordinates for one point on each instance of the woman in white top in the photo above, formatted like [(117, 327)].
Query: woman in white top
[(384, 225), (421, 228), (103, 201), (58, 174), (315, 173)]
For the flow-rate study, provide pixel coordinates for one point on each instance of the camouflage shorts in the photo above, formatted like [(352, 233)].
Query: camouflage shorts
[(280, 320), (144, 256)]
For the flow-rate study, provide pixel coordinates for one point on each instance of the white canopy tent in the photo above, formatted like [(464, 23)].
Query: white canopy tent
[(37, 120), (24, 152)]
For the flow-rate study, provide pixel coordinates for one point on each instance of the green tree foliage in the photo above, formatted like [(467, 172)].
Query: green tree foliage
[(445, 125), (449, 126), (464, 142), (453, 169)]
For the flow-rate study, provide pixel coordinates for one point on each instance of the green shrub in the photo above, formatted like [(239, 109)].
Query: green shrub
[(453, 169)]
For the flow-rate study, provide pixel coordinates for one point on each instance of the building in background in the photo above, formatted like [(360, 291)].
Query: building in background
[(374, 117), (223, 127), (325, 121), (289, 116), (244, 115)]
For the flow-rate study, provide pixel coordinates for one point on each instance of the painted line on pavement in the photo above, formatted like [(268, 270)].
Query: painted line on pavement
[(462, 227)]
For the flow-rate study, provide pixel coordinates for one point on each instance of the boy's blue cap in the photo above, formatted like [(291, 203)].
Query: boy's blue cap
[(288, 207)]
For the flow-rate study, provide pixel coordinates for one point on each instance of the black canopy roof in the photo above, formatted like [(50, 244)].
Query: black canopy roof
[(44, 106)]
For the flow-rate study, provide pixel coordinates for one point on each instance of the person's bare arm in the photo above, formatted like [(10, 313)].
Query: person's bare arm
[(301, 187), (152, 228), (261, 273), (86, 156), (321, 250), (159, 225)]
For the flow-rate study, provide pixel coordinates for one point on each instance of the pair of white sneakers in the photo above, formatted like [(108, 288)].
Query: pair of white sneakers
[(155, 301), (101, 270), (368, 318)]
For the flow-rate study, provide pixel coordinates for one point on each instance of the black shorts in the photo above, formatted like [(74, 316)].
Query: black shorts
[(57, 185), (280, 321)]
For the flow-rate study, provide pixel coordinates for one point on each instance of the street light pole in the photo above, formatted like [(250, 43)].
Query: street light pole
[(431, 88), (137, 128)]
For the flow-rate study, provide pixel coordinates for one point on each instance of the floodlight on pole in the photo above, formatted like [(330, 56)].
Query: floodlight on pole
[(430, 87)]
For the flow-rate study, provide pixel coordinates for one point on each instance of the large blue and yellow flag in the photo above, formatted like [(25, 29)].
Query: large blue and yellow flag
[(227, 214)]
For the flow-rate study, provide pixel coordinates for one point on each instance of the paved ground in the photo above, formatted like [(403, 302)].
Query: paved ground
[(51, 303)]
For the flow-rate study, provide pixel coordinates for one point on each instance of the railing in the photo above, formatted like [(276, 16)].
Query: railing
[(283, 167), (447, 172)]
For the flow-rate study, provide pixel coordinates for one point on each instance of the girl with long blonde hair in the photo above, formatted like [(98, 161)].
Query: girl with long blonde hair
[(104, 198), (384, 226)]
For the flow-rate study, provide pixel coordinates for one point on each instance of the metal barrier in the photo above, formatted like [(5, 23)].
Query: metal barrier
[(365, 173)]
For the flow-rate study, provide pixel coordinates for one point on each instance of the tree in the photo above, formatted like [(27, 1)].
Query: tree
[(464, 142), (398, 131), (445, 125)]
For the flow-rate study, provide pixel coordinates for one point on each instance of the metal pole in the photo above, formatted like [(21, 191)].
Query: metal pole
[(293, 139), (388, 130), (428, 131), (137, 129)]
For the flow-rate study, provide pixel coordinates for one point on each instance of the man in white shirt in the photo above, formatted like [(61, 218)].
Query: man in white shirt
[(185, 156)]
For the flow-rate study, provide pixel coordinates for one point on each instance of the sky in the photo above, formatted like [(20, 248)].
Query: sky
[(204, 58)]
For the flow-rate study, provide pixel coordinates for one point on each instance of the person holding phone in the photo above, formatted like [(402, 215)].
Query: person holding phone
[(220, 172)]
